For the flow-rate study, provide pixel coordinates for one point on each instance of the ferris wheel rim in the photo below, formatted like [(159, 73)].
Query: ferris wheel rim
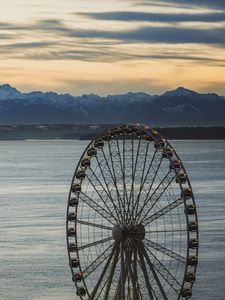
[(68, 207)]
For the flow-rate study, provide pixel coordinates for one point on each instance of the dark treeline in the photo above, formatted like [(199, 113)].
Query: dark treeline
[(193, 133), (88, 131)]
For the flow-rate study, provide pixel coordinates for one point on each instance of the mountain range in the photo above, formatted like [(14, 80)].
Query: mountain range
[(180, 107)]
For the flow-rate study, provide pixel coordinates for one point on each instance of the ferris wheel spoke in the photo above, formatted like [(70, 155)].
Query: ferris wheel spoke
[(125, 168), (112, 271), (103, 284), (123, 277), (165, 270), (94, 243), (131, 197), (98, 261), (146, 200), (113, 175), (134, 168), (141, 245), (144, 178), (101, 290), (136, 159), (117, 292), (122, 166), (144, 165), (122, 270), (102, 199), (98, 208), (163, 231), (142, 181), (135, 262), (155, 166), (157, 194), (163, 211), (108, 193), (145, 272), (165, 250), (94, 224), (131, 273), (95, 290), (116, 208), (118, 288)]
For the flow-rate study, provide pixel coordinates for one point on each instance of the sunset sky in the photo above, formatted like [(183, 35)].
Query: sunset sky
[(113, 46)]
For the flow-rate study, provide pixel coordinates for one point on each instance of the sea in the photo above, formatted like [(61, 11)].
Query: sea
[(35, 178)]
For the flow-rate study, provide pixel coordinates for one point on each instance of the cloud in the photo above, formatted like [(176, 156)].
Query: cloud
[(144, 34), (4, 25), (109, 56), (156, 17), (4, 36), (217, 4), (49, 24), (31, 45), (12, 26), (172, 35), (55, 40)]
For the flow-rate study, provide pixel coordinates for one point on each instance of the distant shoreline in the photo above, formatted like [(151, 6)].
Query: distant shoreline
[(88, 131)]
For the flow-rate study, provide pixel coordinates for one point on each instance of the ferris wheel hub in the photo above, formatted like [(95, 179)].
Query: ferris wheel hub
[(117, 233), (136, 232)]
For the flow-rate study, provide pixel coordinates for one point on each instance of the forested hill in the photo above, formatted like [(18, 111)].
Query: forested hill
[(71, 131)]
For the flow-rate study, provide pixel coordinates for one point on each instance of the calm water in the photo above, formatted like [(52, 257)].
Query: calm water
[(34, 183)]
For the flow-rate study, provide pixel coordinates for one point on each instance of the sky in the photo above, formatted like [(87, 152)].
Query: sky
[(114, 46)]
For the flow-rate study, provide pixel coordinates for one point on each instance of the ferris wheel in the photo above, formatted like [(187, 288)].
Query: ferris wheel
[(132, 230)]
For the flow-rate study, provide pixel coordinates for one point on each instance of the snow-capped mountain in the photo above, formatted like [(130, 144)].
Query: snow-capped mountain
[(180, 92), (180, 107), (7, 92)]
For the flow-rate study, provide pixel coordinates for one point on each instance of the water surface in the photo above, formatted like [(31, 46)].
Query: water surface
[(34, 183)]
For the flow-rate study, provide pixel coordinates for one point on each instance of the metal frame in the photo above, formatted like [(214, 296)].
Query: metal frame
[(131, 265)]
